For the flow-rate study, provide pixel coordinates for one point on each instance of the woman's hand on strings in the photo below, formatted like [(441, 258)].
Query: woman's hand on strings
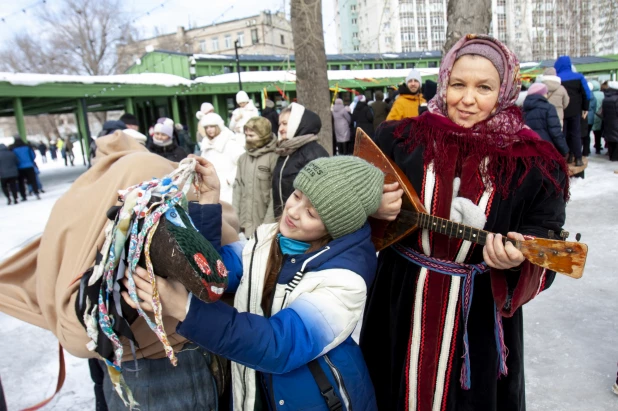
[(209, 181), (391, 202), (172, 294), (500, 256)]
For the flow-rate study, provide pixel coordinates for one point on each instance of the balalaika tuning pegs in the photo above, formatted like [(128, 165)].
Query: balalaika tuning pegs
[(578, 237), (564, 235)]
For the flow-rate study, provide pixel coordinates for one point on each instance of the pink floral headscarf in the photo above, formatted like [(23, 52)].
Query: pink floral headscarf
[(509, 89)]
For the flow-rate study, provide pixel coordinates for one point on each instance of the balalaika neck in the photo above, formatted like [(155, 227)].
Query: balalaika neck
[(452, 229)]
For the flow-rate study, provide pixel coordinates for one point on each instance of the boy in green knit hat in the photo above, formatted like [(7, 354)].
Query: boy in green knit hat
[(301, 286)]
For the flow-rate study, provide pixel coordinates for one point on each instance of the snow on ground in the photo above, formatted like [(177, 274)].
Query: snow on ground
[(570, 330)]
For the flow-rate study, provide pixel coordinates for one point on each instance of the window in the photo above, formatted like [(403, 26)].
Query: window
[(241, 38), (432, 64), (398, 65), (379, 66), (215, 43), (518, 36), (334, 67), (355, 35), (353, 7), (354, 21), (228, 41), (243, 68), (388, 66), (265, 68), (410, 65), (356, 48), (387, 26), (345, 67), (405, 36), (367, 67), (203, 46), (282, 39), (254, 36), (254, 68), (277, 68), (388, 40), (227, 69)]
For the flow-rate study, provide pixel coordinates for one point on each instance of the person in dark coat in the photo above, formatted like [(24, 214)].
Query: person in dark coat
[(429, 90), (297, 146), (362, 116), (27, 174), (541, 116), (164, 143), (433, 340), (270, 113), (43, 150), (610, 119), (380, 110), (8, 173), (579, 100), (53, 151)]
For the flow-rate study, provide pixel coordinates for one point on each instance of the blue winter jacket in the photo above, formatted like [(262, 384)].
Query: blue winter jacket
[(25, 156), (575, 84), (541, 116), (280, 347)]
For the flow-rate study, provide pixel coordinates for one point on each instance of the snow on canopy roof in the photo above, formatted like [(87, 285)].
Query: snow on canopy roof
[(290, 76), (152, 79)]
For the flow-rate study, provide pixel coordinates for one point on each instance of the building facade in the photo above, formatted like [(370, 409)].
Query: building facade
[(265, 33), (534, 29)]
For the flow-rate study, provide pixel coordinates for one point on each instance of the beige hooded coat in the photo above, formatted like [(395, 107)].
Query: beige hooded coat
[(39, 283)]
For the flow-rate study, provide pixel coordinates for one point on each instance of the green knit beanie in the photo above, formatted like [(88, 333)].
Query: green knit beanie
[(344, 190)]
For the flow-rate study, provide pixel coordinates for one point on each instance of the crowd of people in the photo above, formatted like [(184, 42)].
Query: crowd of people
[(441, 325), (562, 107)]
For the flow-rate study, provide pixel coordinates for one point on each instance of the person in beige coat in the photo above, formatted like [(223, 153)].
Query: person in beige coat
[(557, 94), (253, 199)]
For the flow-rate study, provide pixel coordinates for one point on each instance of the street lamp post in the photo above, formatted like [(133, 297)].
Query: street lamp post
[(236, 47)]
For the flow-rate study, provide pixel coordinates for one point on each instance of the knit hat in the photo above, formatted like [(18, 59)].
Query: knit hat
[(242, 97), (344, 190), (264, 130), (488, 52), (166, 127), (414, 75), (537, 88), (204, 109), (212, 119), (269, 103)]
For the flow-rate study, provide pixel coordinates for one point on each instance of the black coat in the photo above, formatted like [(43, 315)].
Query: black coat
[(532, 208), (610, 116), (541, 116), (380, 111), (287, 169), (173, 152), (578, 100), (272, 116), (8, 163), (363, 117)]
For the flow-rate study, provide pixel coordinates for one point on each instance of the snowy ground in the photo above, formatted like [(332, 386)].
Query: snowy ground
[(570, 330)]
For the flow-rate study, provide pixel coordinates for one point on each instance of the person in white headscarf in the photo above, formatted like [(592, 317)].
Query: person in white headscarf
[(221, 149)]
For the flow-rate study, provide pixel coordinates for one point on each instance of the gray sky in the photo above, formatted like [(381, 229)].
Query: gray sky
[(173, 13)]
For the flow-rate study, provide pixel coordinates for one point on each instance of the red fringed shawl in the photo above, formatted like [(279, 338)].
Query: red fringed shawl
[(508, 144)]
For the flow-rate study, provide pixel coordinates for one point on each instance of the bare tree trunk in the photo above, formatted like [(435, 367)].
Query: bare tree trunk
[(311, 77), (464, 17)]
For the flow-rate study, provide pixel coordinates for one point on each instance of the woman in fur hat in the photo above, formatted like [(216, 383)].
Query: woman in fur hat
[(300, 285), (253, 199), (221, 149), (246, 110), (434, 340)]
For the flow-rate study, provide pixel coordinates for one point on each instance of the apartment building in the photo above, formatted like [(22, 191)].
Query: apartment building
[(534, 29), (265, 33)]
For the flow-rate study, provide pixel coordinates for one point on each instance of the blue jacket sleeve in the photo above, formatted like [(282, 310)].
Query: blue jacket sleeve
[(275, 345), (207, 220)]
